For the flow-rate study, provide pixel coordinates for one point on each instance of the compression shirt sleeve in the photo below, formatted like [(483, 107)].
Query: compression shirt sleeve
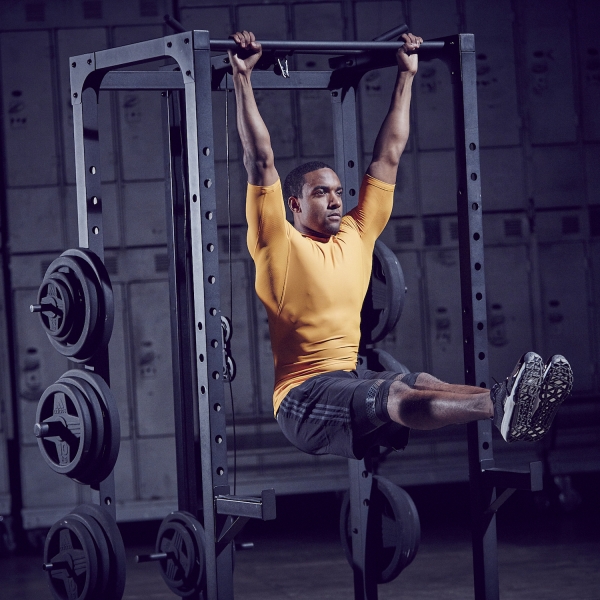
[(375, 202), (268, 240)]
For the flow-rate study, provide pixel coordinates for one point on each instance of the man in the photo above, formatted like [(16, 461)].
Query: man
[(312, 279)]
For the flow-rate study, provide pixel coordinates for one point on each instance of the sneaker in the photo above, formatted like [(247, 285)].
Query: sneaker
[(556, 387), (514, 398)]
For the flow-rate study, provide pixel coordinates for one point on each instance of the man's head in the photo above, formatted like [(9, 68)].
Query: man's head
[(314, 195)]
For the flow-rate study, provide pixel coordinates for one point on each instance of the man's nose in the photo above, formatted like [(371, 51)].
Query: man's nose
[(335, 200)]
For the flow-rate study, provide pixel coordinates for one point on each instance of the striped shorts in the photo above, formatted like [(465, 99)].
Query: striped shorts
[(343, 413)]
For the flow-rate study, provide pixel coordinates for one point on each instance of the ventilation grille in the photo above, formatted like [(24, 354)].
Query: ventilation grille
[(161, 263), (112, 265), (433, 232), (404, 234), (570, 225), (36, 11), (513, 228), (92, 9)]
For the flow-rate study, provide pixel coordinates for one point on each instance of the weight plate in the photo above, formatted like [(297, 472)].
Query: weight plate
[(112, 424), (227, 329), (97, 413), (194, 526), (101, 546), (64, 429), (393, 530), (85, 304), (57, 299), (385, 296), (116, 549), (71, 552), (103, 290), (179, 569)]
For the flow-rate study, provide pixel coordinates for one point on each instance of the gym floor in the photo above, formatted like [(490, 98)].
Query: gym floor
[(546, 552)]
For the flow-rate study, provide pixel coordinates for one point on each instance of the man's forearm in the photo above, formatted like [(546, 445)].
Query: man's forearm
[(255, 138), (393, 135)]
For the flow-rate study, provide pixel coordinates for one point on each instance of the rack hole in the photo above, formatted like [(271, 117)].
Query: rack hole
[(472, 146), (207, 183), (210, 247), (186, 41), (351, 163), (95, 230), (108, 501), (485, 445), (478, 266), (201, 357), (213, 312), (93, 170), (169, 44), (211, 279), (217, 407), (202, 389), (473, 176), (219, 439), (481, 355), (195, 198), (215, 375), (206, 150), (199, 326), (209, 215), (220, 471), (352, 191), (480, 326), (479, 295), (214, 344), (476, 236)]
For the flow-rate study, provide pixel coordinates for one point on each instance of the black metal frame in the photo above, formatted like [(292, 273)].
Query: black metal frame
[(194, 273)]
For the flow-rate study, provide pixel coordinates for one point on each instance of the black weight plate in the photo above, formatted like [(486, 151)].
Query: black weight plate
[(87, 306), (396, 528), (112, 424), (384, 300), (393, 530), (226, 329), (117, 567), (67, 452), (101, 546), (57, 298), (104, 293), (69, 543), (194, 526), (179, 570), (97, 412)]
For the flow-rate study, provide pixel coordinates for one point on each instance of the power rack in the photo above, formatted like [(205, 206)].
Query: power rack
[(194, 267)]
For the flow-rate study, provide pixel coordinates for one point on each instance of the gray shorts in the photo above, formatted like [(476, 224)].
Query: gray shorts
[(343, 413)]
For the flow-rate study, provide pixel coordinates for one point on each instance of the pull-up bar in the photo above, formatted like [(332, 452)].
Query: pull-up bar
[(310, 47)]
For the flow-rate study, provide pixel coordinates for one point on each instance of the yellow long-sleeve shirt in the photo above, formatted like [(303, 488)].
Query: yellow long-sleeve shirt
[(313, 290)]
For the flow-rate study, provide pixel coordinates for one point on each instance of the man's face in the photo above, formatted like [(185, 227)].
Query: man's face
[(318, 211)]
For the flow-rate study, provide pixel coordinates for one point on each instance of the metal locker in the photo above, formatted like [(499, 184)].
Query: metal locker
[(245, 397), (588, 24), (140, 114), (510, 330), (147, 11), (215, 19), (437, 182), (376, 87), (157, 470), (29, 132), (405, 342), (125, 474), (558, 176), (492, 24), (443, 310), (35, 219), (38, 363), (73, 42), (316, 21), (144, 213), (565, 306), (110, 216), (433, 90), (262, 346), (548, 69), (149, 308), (592, 172), (236, 182), (43, 489), (502, 179)]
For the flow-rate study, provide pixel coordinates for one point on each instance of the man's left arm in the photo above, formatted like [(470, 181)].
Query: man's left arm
[(393, 135)]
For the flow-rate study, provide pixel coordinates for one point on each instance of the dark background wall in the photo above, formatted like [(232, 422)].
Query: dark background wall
[(539, 87)]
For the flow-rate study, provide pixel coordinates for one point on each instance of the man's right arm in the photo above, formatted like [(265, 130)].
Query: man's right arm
[(256, 141)]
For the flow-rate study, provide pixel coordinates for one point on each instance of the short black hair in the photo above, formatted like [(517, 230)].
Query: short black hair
[(293, 183)]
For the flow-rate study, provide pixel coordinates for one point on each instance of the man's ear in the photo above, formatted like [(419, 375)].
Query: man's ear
[(294, 204)]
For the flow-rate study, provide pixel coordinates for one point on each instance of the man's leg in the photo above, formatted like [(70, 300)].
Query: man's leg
[(431, 403)]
